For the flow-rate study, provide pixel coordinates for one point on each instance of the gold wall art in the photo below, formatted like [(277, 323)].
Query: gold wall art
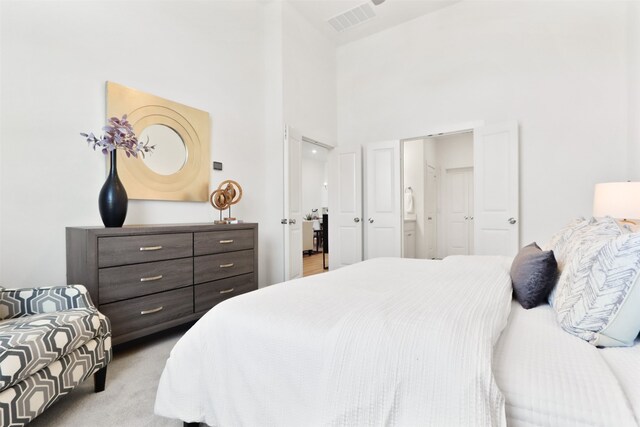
[(178, 169)]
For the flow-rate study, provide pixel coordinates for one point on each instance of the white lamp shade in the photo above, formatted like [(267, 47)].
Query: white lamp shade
[(619, 200)]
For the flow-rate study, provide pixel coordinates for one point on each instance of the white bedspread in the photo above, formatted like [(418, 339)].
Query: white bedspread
[(384, 342), (624, 362), (551, 378)]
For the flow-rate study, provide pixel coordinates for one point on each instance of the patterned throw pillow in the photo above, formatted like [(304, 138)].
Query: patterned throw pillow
[(602, 304), (582, 238), (558, 242)]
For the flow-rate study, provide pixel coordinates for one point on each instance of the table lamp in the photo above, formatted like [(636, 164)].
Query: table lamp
[(619, 200)]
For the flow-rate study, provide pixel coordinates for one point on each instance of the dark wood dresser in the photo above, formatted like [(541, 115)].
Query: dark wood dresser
[(152, 277)]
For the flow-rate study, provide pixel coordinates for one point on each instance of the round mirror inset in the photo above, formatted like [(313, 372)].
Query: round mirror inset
[(170, 154)]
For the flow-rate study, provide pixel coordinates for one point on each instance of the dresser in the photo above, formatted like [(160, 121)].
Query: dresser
[(152, 277)]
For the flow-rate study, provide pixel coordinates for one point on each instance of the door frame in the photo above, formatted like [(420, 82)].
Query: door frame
[(285, 186), (447, 129), (473, 127), (441, 130), (436, 131)]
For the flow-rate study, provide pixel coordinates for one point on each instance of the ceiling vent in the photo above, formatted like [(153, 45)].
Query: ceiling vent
[(352, 17)]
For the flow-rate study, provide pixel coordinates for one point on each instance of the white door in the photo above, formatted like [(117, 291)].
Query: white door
[(458, 211), (430, 209), (495, 159), (345, 214), (292, 205), (383, 216)]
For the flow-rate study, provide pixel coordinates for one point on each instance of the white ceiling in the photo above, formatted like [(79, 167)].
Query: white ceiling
[(388, 14)]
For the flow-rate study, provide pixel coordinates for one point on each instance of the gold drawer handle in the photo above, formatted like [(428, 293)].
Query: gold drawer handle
[(226, 265), (226, 241), (226, 291), (151, 279), (150, 248), (153, 310)]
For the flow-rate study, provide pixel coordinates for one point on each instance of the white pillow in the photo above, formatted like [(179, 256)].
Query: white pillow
[(599, 299), (581, 238), (558, 242)]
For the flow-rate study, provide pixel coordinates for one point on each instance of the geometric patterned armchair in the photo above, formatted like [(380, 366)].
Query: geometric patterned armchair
[(51, 340)]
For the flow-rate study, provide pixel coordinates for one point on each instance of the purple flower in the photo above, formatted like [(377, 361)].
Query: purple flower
[(119, 135)]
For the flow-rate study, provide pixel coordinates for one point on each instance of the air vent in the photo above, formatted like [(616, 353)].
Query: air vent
[(352, 17)]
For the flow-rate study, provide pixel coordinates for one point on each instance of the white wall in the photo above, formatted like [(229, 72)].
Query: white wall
[(633, 76), (300, 92), (558, 68), (314, 195), (454, 151), (567, 71), (2, 144), (224, 57), (56, 57), (309, 66), (431, 152), (271, 257)]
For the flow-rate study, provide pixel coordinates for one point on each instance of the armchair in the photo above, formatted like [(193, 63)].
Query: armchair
[(51, 340)]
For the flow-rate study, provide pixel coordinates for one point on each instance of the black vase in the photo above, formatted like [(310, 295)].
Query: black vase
[(113, 199)]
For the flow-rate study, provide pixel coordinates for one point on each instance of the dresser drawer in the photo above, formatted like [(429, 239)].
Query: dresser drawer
[(213, 242), (142, 312), (206, 295), (109, 262), (118, 283), (213, 267), (122, 250)]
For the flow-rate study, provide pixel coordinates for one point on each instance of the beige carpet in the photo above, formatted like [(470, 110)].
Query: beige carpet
[(132, 379)]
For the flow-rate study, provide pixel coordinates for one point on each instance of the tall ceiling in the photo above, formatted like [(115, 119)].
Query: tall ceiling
[(388, 14)]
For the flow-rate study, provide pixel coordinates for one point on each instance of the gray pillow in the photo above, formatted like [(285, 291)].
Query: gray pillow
[(533, 275)]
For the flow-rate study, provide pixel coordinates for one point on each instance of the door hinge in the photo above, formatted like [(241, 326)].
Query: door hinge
[(284, 221)]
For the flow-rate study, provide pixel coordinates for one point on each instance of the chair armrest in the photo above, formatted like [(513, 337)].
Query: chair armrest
[(30, 301)]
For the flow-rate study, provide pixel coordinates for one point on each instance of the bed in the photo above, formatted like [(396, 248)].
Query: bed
[(551, 378), (395, 342)]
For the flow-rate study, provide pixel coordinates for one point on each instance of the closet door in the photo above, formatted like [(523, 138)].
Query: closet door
[(292, 221), (345, 224), (383, 214), (458, 208), (495, 159)]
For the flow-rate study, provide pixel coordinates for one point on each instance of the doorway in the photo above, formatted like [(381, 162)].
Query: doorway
[(372, 214), (306, 206), (315, 207), (454, 158), (438, 195)]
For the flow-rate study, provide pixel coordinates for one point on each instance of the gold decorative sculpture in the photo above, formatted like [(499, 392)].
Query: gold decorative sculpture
[(228, 193)]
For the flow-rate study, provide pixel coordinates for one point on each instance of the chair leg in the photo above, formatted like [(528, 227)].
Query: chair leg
[(100, 379)]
